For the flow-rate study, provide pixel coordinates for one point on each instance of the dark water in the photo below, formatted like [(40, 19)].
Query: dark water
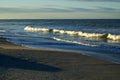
[(103, 48)]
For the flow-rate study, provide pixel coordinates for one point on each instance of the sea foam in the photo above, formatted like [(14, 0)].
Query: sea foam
[(30, 28), (113, 37)]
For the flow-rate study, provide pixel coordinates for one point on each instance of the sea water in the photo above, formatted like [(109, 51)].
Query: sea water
[(94, 37)]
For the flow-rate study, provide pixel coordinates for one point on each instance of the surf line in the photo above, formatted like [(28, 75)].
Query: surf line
[(74, 33)]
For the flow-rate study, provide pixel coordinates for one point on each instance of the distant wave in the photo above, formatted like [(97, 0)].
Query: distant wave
[(1, 30), (75, 33), (32, 29)]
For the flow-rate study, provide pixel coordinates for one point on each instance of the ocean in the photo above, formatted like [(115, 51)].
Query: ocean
[(98, 38)]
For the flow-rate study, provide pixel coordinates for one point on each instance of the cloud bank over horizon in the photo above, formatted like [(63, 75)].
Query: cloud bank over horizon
[(58, 10)]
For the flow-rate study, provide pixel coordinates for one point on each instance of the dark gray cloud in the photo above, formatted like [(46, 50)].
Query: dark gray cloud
[(58, 10)]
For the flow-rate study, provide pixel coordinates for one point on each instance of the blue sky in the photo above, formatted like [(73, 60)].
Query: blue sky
[(59, 9)]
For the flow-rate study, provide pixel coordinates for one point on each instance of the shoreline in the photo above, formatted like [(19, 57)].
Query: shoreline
[(23, 63), (86, 53)]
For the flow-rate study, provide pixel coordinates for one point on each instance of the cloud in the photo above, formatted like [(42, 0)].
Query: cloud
[(58, 10), (106, 9), (96, 10), (98, 0), (18, 10)]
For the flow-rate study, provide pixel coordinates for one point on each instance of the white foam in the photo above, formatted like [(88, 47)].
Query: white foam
[(113, 37), (79, 33), (56, 30), (30, 28), (92, 35), (83, 34), (72, 32), (58, 39)]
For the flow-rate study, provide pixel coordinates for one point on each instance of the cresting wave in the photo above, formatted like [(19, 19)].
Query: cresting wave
[(74, 33), (32, 29)]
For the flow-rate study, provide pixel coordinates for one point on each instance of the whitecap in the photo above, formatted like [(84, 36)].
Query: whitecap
[(32, 29), (113, 37)]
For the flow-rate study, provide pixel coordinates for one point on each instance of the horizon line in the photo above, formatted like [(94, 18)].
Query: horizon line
[(54, 19)]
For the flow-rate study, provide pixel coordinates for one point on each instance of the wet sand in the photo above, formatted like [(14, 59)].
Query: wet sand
[(22, 63)]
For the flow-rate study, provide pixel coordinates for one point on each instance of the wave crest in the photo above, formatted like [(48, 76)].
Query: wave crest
[(113, 37), (30, 28)]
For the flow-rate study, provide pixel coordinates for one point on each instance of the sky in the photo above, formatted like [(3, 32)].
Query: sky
[(59, 9)]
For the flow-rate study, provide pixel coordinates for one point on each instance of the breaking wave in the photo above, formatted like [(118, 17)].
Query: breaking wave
[(75, 33), (32, 29)]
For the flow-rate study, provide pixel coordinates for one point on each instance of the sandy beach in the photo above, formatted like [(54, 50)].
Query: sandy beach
[(22, 63)]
